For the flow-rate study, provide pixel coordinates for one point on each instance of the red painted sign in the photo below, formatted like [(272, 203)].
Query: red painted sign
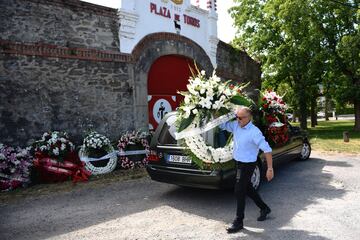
[(165, 12)]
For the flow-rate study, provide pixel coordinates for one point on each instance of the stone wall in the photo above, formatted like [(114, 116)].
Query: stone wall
[(69, 23), (238, 66), (41, 94), (61, 69)]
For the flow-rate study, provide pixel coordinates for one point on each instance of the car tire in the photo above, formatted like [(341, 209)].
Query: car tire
[(305, 151), (257, 176)]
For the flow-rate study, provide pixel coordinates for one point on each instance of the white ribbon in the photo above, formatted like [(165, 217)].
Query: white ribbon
[(210, 125), (276, 124), (113, 154)]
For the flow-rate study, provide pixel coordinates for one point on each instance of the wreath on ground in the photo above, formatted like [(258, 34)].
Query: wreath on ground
[(56, 159), (98, 154), (15, 164), (208, 103), (133, 150)]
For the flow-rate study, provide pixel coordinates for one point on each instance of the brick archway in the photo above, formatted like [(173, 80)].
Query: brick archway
[(146, 52)]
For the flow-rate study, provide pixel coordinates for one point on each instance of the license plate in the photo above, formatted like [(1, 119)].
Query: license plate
[(179, 159)]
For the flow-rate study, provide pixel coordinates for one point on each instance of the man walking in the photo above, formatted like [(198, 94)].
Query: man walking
[(248, 139)]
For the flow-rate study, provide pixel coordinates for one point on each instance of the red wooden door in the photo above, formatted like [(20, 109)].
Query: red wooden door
[(168, 75)]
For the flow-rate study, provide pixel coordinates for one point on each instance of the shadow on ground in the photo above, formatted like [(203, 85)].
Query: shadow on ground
[(296, 185)]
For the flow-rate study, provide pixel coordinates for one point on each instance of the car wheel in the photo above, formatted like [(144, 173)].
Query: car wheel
[(305, 151), (256, 177)]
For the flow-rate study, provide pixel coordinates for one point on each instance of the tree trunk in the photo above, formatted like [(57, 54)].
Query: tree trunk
[(301, 100), (357, 115), (303, 116), (303, 110), (313, 112), (295, 114), (326, 110)]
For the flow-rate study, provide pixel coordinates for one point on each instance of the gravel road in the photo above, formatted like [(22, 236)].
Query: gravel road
[(316, 199)]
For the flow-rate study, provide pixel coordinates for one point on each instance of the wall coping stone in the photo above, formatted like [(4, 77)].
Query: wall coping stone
[(80, 6), (48, 50)]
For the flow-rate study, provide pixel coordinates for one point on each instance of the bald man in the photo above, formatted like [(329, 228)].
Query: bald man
[(248, 139)]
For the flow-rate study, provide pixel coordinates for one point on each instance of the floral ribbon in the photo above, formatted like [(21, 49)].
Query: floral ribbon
[(208, 126), (114, 154)]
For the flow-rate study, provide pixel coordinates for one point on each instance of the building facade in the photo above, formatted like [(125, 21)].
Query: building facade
[(74, 66)]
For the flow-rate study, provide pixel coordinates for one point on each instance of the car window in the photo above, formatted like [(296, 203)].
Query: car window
[(221, 137), (167, 134), (215, 137)]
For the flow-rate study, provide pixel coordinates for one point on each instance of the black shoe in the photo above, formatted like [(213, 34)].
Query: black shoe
[(264, 213), (237, 225)]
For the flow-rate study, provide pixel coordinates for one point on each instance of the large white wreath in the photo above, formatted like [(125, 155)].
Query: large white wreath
[(97, 141), (110, 166), (206, 98)]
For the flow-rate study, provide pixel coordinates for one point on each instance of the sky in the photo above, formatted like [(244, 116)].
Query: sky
[(226, 31)]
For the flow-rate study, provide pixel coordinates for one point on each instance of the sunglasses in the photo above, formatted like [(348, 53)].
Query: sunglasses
[(241, 118)]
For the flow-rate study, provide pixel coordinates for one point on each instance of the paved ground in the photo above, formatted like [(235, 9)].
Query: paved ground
[(316, 199)]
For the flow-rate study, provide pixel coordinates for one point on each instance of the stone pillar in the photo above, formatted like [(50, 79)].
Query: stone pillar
[(212, 31)]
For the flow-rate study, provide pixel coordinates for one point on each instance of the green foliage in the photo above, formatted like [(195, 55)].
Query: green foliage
[(301, 44), (185, 122), (344, 110), (240, 100)]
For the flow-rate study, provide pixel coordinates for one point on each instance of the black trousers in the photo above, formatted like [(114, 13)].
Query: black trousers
[(244, 187)]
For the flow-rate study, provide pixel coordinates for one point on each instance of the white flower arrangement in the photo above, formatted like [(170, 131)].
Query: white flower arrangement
[(95, 140), (205, 99), (208, 94), (95, 144), (206, 153)]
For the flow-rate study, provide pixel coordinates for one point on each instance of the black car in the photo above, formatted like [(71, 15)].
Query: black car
[(169, 162)]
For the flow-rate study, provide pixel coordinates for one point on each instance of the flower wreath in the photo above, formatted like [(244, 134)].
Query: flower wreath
[(56, 160), (205, 99), (54, 144), (273, 110), (133, 141), (97, 145), (14, 167)]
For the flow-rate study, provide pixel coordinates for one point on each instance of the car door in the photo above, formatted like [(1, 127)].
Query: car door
[(290, 149)]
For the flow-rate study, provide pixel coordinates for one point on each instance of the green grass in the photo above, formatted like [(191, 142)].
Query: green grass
[(328, 136)]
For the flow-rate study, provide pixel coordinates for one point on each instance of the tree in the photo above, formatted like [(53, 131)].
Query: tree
[(338, 23), (281, 35), (349, 87), (303, 43)]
